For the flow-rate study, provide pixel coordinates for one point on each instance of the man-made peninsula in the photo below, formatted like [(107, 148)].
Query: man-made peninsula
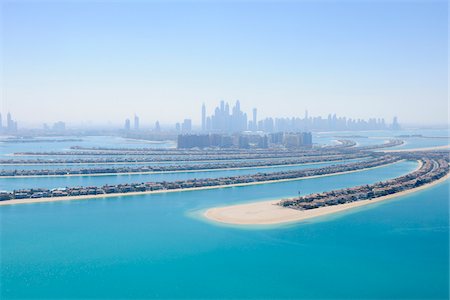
[(136, 188), (431, 171)]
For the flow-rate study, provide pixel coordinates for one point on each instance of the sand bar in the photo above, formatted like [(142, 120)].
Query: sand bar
[(269, 213)]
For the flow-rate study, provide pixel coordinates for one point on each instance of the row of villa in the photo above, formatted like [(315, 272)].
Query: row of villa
[(133, 155), (196, 183), (106, 158), (180, 167), (190, 151), (431, 170), (388, 144)]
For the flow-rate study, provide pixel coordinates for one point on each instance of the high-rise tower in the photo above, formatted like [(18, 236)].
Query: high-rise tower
[(203, 117), (136, 122), (255, 126)]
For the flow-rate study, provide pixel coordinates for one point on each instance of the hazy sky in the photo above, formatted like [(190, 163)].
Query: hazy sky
[(100, 61)]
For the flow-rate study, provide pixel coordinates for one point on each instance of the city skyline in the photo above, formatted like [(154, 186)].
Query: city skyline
[(227, 119), (173, 57)]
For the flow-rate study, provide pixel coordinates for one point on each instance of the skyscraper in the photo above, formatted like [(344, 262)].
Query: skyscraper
[(203, 117), (136, 122), (395, 124), (255, 127), (9, 122), (187, 125), (11, 125), (127, 125)]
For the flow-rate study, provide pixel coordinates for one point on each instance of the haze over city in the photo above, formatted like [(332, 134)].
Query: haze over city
[(99, 63), (224, 149)]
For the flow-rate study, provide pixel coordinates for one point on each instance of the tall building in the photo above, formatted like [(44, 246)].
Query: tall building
[(203, 117), (187, 125), (225, 122), (157, 127), (395, 124), (11, 125), (127, 125), (9, 122), (255, 127), (136, 122)]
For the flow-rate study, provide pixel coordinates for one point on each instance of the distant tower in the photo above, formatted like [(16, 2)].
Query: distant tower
[(9, 122), (306, 114), (186, 126), (395, 125), (238, 106), (157, 127), (203, 117), (254, 120), (127, 125), (1, 122), (136, 122)]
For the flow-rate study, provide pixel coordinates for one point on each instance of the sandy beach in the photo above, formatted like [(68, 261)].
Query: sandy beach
[(87, 197), (269, 213)]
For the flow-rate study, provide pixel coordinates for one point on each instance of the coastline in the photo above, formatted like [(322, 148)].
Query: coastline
[(87, 197), (269, 213), (181, 171), (418, 149)]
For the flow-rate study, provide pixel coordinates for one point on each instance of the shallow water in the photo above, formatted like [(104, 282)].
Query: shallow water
[(159, 246)]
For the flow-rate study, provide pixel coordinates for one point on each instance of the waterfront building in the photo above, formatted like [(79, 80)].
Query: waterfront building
[(219, 140), (187, 141)]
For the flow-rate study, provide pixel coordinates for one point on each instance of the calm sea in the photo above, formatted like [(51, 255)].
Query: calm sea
[(159, 246)]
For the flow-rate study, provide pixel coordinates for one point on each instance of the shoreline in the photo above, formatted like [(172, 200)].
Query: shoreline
[(269, 213), (99, 196), (180, 171), (418, 149)]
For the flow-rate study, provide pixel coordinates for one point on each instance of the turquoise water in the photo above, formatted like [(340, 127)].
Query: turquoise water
[(86, 141), (155, 246), (381, 136), (159, 246)]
